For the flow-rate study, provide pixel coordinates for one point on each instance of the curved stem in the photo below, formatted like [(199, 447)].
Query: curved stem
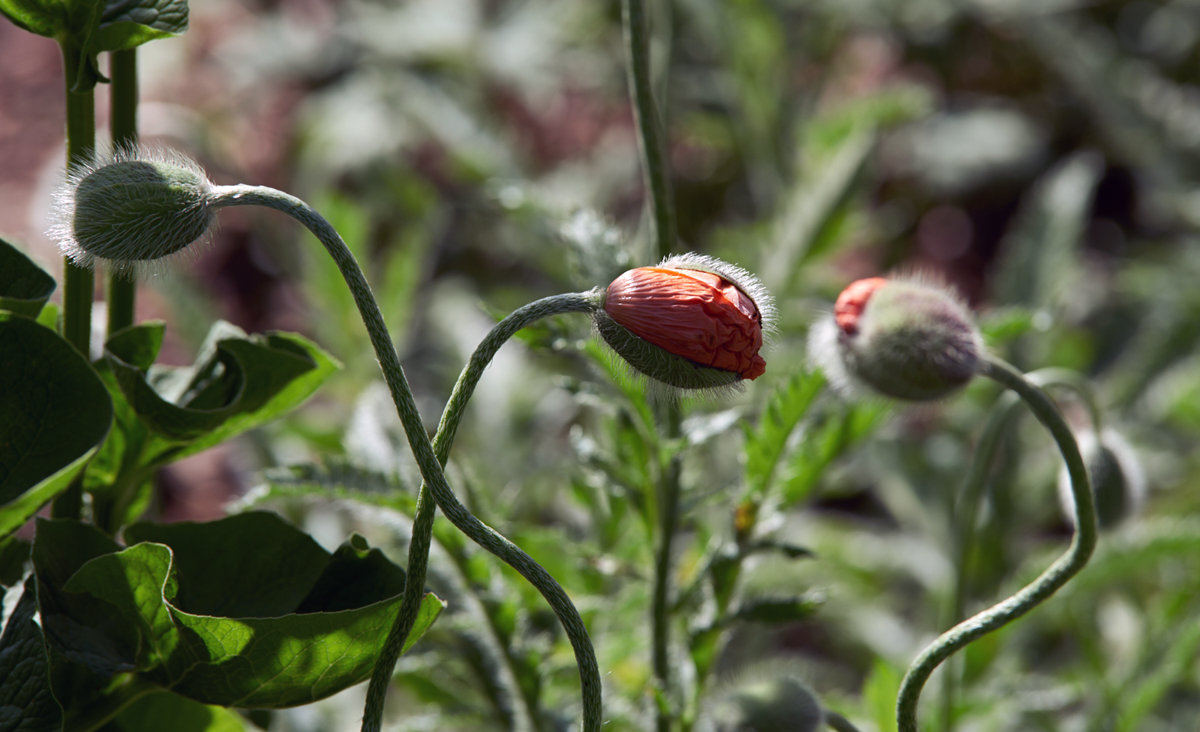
[(418, 440), (422, 528), (650, 128), (1083, 542)]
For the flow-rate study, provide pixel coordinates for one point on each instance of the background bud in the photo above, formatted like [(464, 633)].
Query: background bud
[(691, 322), (135, 208), (1118, 481), (767, 701), (902, 338)]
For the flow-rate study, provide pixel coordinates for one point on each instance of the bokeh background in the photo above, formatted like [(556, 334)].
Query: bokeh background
[(1041, 157)]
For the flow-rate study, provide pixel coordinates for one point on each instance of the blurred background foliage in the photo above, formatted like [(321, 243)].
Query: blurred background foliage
[(1043, 157)]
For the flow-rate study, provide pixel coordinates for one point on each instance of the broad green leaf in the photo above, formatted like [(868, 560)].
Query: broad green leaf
[(164, 710), (85, 28), (26, 704), (250, 564), (238, 382), (24, 286), (128, 24), (245, 611), (43, 17), (54, 415)]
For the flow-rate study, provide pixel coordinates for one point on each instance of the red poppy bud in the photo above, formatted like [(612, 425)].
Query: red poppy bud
[(691, 322), (902, 338)]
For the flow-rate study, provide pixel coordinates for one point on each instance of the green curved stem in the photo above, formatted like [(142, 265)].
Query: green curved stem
[(422, 529), (1083, 542), (418, 440), (650, 128), (967, 507)]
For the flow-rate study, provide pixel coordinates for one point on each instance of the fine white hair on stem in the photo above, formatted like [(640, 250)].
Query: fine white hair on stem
[(133, 210)]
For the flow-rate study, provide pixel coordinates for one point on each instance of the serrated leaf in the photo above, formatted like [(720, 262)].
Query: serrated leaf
[(137, 610), (24, 286), (767, 442), (54, 415)]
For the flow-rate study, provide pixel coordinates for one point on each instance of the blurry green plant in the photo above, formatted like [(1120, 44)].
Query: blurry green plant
[(698, 537)]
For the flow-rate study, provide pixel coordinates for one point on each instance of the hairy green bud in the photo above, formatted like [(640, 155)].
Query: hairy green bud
[(131, 210), (904, 339)]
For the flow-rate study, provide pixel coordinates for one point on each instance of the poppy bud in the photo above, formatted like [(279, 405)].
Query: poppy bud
[(1118, 481), (135, 208), (691, 322), (904, 339), (765, 702)]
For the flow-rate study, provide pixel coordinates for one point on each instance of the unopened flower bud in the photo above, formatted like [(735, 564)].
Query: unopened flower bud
[(691, 322), (768, 704), (133, 209), (902, 338), (1118, 481)]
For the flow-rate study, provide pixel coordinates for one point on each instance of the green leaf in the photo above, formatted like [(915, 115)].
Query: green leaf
[(24, 286), (53, 417), (245, 611), (26, 704), (85, 28), (767, 443), (164, 710), (43, 17), (127, 24), (238, 382), (1039, 259)]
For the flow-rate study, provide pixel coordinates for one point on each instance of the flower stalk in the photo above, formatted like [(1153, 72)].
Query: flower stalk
[(122, 290), (419, 442), (422, 528), (79, 283), (1083, 542)]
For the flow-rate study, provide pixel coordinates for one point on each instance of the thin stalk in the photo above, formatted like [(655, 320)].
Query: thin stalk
[(656, 167), (963, 521), (966, 509), (1083, 542), (122, 289), (669, 493), (422, 530), (78, 282), (418, 440), (651, 140)]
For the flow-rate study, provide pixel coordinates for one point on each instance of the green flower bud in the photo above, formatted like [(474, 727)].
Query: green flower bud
[(132, 210), (902, 338), (1118, 481), (768, 703)]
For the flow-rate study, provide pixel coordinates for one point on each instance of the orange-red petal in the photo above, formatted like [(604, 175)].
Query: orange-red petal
[(694, 314), (850, 303)]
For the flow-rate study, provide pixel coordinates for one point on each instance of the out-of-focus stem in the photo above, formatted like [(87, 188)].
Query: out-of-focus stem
[(1083, 542)]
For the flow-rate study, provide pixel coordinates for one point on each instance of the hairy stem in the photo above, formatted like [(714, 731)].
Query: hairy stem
[(655, 163), (650, 128), (422, 529), (122, 289), (1083, 542), (79, 283), (418, 440)]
